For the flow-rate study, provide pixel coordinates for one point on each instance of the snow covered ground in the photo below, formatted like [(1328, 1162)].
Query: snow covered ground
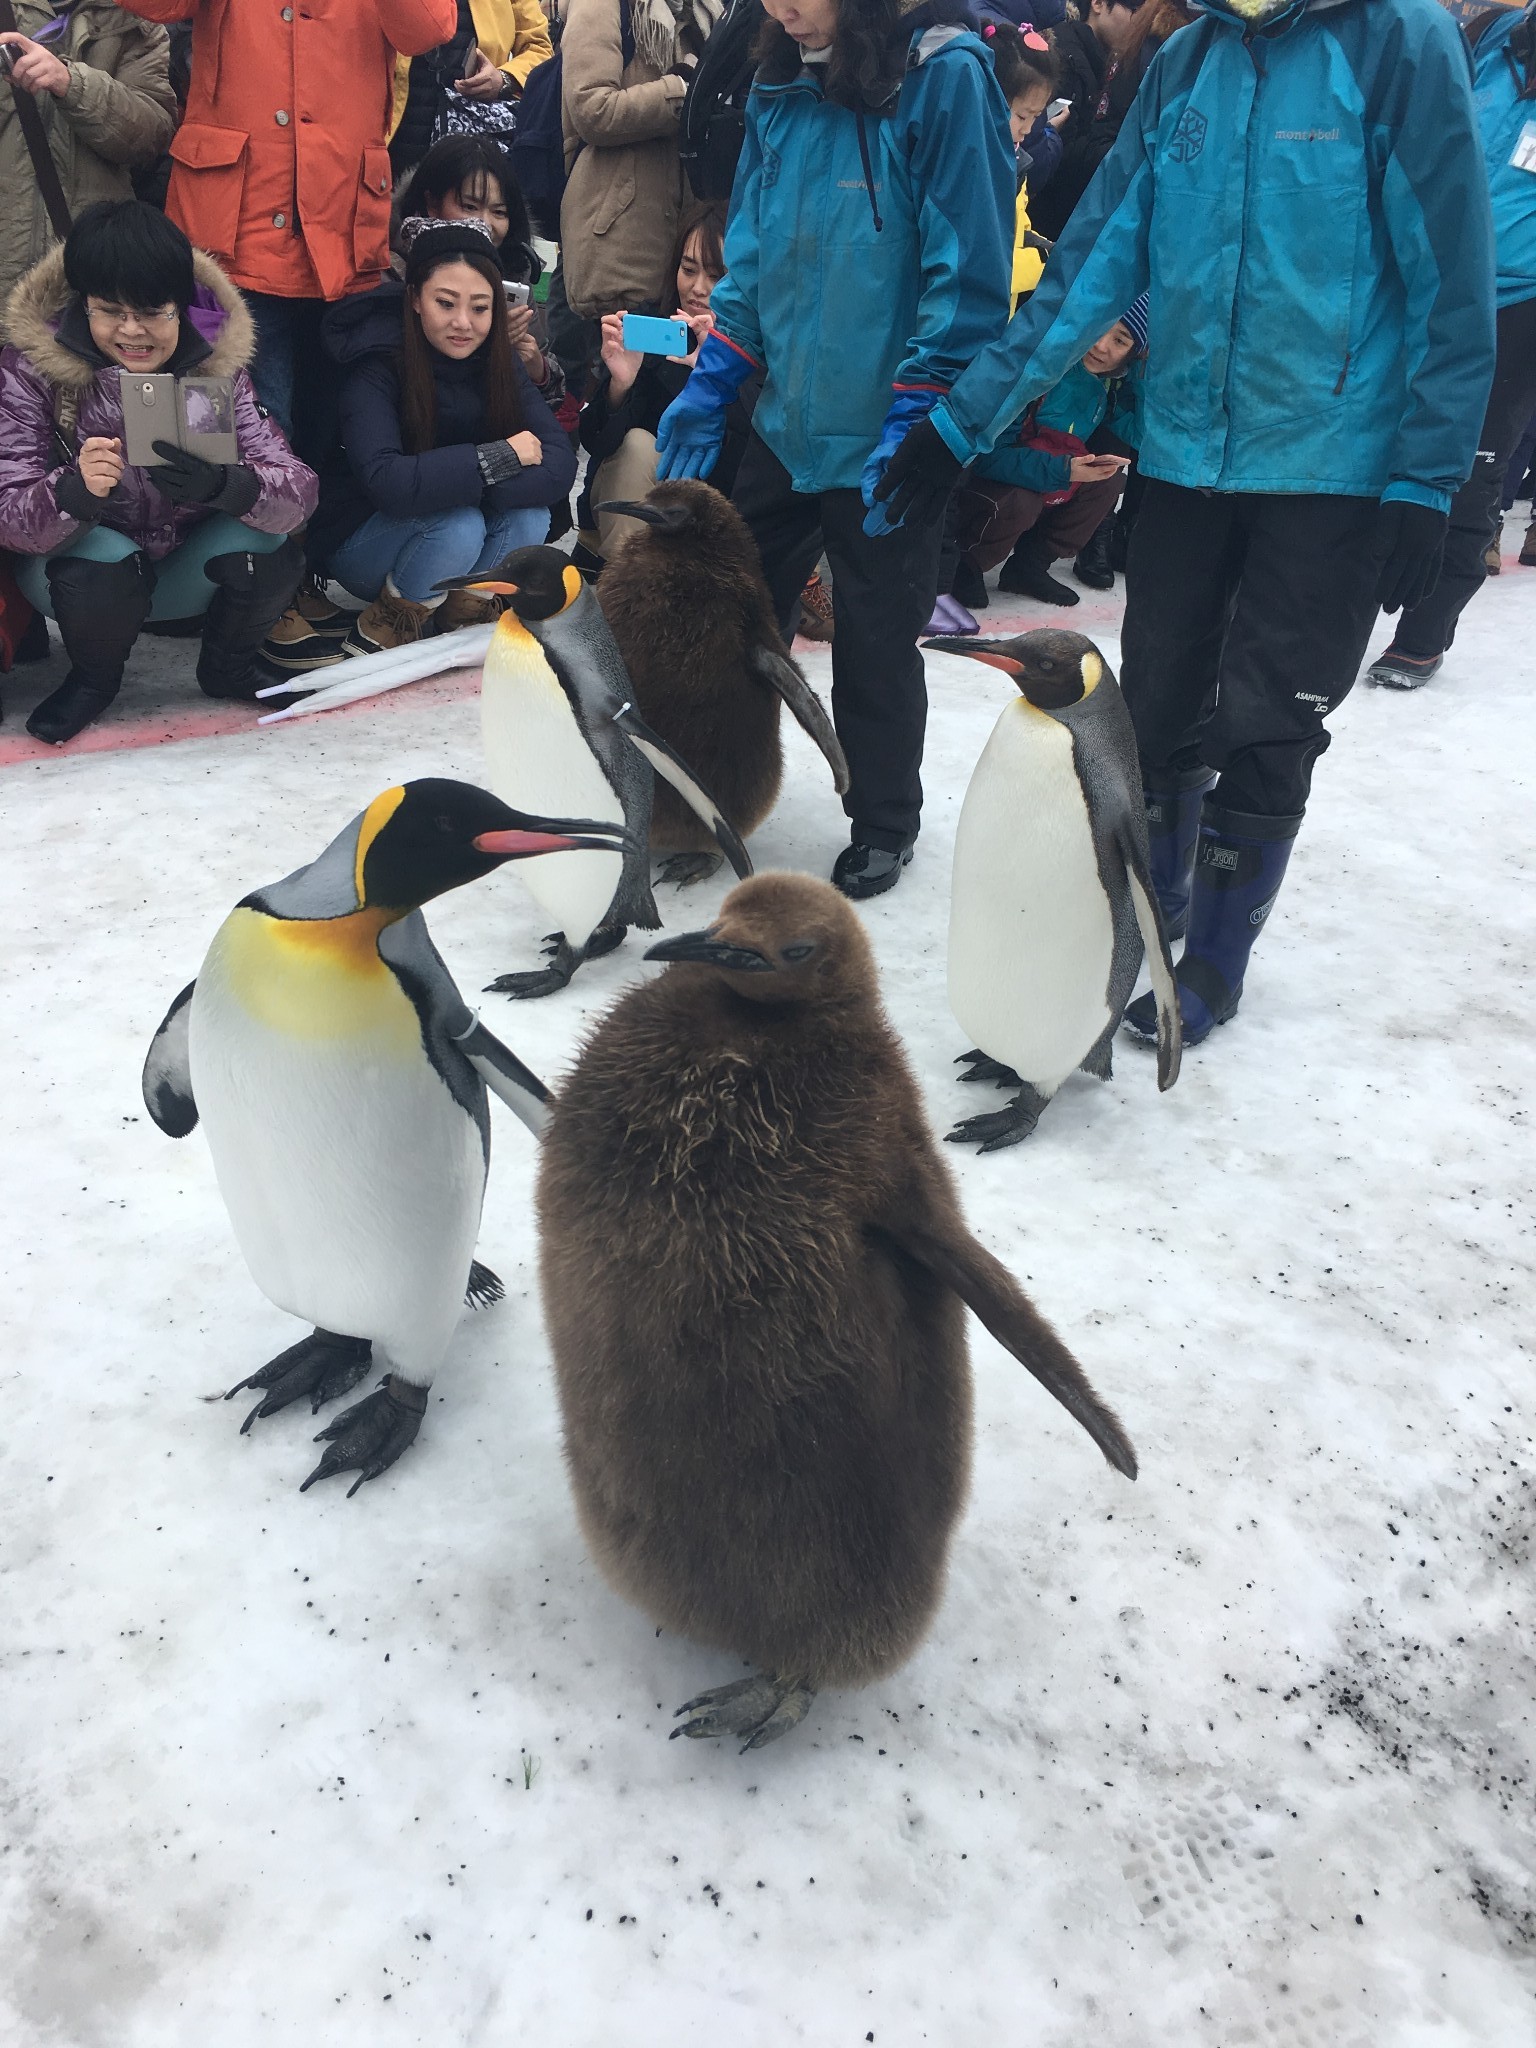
[(1242, 1753)]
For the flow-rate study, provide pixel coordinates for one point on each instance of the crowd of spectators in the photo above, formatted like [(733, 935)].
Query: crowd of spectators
[(981, 260)]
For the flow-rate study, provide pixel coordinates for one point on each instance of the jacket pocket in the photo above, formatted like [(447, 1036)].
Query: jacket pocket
[(370, 219), (211, 173), (617, 199)]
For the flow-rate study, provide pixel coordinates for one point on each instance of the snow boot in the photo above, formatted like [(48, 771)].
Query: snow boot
[(1528, 547), (1493, 559), (950, 617), (392, 621), (1092, 566), (1173, 828), (253, 593), (100, 609), (1027, 573), (970, 586), (1239, 867), (1395, 671), (310, 632)]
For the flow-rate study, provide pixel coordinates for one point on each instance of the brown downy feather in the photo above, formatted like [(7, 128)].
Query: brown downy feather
[(687, 605), (766, 1393)]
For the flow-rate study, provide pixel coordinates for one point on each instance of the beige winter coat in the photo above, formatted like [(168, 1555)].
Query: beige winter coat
[(625, 189), (118, 113)]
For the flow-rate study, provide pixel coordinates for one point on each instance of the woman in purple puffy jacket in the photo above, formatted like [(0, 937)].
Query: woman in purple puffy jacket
[(107, 546)]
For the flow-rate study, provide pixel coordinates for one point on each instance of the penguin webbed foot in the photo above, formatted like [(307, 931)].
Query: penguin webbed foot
[(682, 870), (483, 1286), (324, 1366), (369, 1437), (979, 1067), (1002, 1127), (564, 959), (760, 1708)]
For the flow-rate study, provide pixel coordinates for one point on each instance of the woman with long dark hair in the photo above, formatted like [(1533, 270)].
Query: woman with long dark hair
[(454, 459)]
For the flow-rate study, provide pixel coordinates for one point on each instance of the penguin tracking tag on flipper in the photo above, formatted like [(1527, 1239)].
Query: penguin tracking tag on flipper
[(374, 675), (1170, 1022), (506, 1076), (167, 1080), (807, 709), (666, 764)]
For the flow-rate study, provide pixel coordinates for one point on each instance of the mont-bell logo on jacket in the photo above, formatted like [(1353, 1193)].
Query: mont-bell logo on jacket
[(1188, 138)]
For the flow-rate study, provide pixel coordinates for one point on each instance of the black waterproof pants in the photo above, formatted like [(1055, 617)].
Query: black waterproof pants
[(883, 594), (1246, 620), (1431, 626)]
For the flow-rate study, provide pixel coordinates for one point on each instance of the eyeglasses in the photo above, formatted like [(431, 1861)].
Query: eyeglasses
[(125, 316)]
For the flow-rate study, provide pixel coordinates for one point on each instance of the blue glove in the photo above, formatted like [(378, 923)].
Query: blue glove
[(907, 408), (693, 425), (911, 470)]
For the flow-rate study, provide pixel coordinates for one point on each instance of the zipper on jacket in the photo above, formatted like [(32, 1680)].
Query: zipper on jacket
[(1242, 247), (869, 172), (1343, 373)]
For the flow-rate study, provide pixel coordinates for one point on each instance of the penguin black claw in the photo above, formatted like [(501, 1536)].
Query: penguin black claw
[(682, 870), (369, 1437), (760, 1708), (1002, 1127), (325, 1366), (981, 1068), (564, 959)]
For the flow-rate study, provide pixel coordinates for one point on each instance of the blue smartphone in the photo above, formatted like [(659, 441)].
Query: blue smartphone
[(651, 337)]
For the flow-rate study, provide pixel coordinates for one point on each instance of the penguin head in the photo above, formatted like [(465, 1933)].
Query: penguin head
[(781, 939), (423, 838), (538, 583), (691, 518), (1053, 669)]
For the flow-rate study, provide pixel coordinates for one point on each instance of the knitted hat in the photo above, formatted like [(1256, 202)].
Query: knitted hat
[(421, 237), (1135, 318)]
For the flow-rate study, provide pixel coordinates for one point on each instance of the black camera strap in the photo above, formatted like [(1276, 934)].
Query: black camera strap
[(35, 135)]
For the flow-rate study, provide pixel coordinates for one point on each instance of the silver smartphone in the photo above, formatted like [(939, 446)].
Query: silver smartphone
[(194, 413), (517, 294), (1056, 107)]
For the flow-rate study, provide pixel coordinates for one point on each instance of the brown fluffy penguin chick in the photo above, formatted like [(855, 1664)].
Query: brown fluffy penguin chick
[(686, 602), (754, 1265)]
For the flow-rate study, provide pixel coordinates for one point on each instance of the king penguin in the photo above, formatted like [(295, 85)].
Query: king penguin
[(754, 1269), (1052, 904), (342, 1082), (694, 624), (561, 732)]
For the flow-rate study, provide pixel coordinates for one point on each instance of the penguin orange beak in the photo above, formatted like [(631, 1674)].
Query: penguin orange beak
[(993, 652), (491, 586), (574, 835), (705, 949)]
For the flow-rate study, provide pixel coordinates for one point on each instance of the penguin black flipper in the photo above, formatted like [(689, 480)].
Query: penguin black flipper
[(667, 765), (807, 709), (505, 1075), (990, 1292), (167, 1080), (1149, 918)]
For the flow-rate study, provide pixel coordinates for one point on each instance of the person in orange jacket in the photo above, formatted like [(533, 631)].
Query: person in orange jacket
[(281, 165)]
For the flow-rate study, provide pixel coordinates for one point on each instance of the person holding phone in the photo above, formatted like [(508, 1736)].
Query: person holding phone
[(1041, 493), (108, 544), (633, 388), (867, 263), (453, 459)]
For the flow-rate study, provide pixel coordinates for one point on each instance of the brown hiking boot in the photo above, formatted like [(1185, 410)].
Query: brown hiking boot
[(1493, 561), (391, 621), (1528, 547), (816, 609), (467, 608), (310, 632)]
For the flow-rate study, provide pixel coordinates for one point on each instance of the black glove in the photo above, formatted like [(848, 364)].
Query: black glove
[(188, 480), (919, 476), (76, 500), (1410, 545)]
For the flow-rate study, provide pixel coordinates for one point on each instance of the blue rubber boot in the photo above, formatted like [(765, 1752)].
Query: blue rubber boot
[(1239, 866), (1173, 827)]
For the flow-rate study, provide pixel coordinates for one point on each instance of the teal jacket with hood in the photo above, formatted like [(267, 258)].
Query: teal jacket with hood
[(845, 295), (1305, 200), (1504, 59)]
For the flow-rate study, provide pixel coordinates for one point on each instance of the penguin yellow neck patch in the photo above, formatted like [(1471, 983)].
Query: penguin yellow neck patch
[(314, 977), (571, 578), (374, 819), (1093, 671)]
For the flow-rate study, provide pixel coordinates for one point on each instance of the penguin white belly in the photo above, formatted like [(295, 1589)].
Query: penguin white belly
[(539, 762), (352, 1177), (1030, 929)]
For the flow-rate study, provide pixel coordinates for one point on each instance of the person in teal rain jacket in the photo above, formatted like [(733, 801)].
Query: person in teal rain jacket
[(1300, 185), (868, 256), (1504, 61)]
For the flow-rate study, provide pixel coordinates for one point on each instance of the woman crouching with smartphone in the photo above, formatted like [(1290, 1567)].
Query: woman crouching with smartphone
[(454, 460), (107, 545)]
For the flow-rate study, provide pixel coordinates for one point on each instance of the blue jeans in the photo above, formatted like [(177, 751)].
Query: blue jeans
[(416, 554), (182, 591), (295, 378)]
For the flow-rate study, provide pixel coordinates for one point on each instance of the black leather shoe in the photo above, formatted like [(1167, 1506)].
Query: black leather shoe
[(69, 710), (861, 871), (1092, 566)]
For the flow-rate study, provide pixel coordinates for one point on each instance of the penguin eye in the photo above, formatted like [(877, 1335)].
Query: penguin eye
[(1045, 661), (797, 953)]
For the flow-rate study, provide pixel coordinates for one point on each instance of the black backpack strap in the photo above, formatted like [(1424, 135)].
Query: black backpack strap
[(35, 137)]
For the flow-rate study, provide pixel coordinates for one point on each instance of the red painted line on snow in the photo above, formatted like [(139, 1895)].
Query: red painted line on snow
[(172, 720)]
